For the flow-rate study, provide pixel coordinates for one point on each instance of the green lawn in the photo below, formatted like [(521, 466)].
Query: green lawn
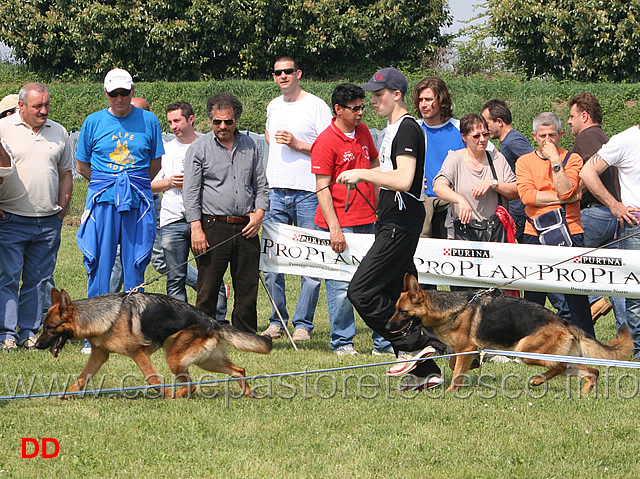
[(338, 424)]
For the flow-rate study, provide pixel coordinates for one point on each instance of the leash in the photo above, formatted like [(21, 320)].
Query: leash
[(153, 280)]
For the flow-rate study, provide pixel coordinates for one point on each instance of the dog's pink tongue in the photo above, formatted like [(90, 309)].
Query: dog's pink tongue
[(54, 349)]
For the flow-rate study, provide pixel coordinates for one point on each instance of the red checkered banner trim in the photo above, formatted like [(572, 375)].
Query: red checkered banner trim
[(292, 250)]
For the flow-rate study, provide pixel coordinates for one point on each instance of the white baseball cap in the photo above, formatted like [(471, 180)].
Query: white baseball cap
[(118, 78)]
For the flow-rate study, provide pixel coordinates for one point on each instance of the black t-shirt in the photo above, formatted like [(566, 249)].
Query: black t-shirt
[(403, 209)]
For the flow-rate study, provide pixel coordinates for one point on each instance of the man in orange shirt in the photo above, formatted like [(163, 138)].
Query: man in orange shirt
[(547, 182)]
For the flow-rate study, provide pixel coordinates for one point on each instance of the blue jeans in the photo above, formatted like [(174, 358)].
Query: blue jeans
[(599, 227), (175, 240), (300, 214), (29, 251), (632, 305), (341, 317)]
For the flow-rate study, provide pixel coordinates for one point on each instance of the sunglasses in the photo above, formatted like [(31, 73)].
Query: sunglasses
[(115, 93), (286, 71), (226, 122), (354, 108), (478, 135)]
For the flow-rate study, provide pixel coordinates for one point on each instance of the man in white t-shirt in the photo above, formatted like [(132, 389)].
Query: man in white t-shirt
[(294, 121), (175, 233), (622, 152)]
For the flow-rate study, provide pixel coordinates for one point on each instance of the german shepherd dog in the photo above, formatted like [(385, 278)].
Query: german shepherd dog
[(496, 321), (137, 325)]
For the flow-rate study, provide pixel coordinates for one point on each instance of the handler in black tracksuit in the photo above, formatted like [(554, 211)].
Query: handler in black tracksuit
[(379, 280)]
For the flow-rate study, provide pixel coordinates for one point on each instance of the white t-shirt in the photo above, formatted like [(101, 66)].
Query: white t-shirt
[(623, 152), (172, 164), (305, 119)]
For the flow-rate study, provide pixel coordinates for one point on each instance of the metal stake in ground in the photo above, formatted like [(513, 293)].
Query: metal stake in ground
[(273, 303)]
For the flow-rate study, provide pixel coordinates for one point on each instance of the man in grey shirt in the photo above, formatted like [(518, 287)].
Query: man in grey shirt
[(225, 195)]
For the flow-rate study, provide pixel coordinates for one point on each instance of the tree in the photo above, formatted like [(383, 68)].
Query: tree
[(188, 39), (585, 40)]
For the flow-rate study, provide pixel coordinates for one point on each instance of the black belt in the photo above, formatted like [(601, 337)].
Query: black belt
[(229, 219)]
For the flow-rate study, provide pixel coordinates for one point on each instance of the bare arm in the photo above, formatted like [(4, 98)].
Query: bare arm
[(199, 243), (338, 242), (590, 175), (154, 167), (285, 137), (65, 188), (399, 179), (84, 169), (5, 159), (442, 188)]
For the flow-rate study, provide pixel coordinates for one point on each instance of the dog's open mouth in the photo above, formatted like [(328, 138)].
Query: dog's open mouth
[(58, 345)]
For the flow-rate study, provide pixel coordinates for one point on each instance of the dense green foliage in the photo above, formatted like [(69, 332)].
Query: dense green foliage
[(189, 39), (70, 104), (584, 40)]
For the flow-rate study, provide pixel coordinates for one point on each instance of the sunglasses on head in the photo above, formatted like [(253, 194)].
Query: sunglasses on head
[(354, 108), (226, 122), (286, 71), (115, 93), (478, 135)]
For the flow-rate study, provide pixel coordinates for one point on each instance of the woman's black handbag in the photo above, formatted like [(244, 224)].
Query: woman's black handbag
[(485, 230)]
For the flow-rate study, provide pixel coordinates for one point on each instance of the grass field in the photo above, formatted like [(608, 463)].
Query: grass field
[(340, 424)]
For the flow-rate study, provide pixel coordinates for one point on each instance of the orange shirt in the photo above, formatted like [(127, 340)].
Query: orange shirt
[(534, 174)]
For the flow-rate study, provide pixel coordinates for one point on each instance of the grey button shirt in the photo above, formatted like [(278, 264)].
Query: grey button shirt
[(217, 182)]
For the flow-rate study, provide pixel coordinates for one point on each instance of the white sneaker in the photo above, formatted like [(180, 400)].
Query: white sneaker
[(399, 369), (27, 343), (8, 344), (347, 350)]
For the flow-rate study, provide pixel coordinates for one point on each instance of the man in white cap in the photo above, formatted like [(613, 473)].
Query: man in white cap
[(119, 150), (34, 196), (378, 282), (8, 105)]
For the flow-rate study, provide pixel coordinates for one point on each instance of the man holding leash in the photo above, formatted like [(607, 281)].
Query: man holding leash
[(34, 195), (379, 280), (119, 150), (225, 196), (622, 152), (346, 144)]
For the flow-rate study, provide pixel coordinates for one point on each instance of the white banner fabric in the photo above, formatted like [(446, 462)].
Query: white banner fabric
[(609, 272)]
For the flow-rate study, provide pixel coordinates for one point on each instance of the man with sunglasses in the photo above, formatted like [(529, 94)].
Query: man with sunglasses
[(294, 121), (346, 144), (119, 150), (225, 194)]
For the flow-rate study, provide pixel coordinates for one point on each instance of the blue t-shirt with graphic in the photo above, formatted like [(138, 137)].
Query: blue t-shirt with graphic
[(112, 144)]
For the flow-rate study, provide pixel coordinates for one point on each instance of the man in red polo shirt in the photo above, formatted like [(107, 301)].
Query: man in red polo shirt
[(346, 144)]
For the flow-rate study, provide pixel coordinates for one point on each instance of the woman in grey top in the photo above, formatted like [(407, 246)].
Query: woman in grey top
[(466, 181)]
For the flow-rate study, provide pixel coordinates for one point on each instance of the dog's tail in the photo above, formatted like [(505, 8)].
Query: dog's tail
[(619, 348), (249, 342)]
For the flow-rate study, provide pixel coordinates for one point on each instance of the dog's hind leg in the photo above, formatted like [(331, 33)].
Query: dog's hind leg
[(98, 357), (550, 373), (590, 375), (227, 367)]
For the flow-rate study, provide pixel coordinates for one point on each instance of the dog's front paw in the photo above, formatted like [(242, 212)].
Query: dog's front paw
[(537, 380)]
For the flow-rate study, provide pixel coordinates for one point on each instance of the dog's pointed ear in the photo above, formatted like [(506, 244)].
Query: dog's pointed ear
[(65, 299), (411, 285), (55, 296)]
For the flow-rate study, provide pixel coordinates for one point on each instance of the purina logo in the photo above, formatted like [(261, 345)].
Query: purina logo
[(467, 253), (598, 261), (311, 239)]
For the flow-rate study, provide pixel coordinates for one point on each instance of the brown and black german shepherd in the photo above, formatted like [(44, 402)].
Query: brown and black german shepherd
[(497, 321), (137, 325)]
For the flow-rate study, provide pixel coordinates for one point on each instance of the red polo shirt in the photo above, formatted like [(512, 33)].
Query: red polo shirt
[(332, 153)]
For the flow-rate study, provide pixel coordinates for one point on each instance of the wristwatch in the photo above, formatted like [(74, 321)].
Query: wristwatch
[(494, 184), (557, 167)]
